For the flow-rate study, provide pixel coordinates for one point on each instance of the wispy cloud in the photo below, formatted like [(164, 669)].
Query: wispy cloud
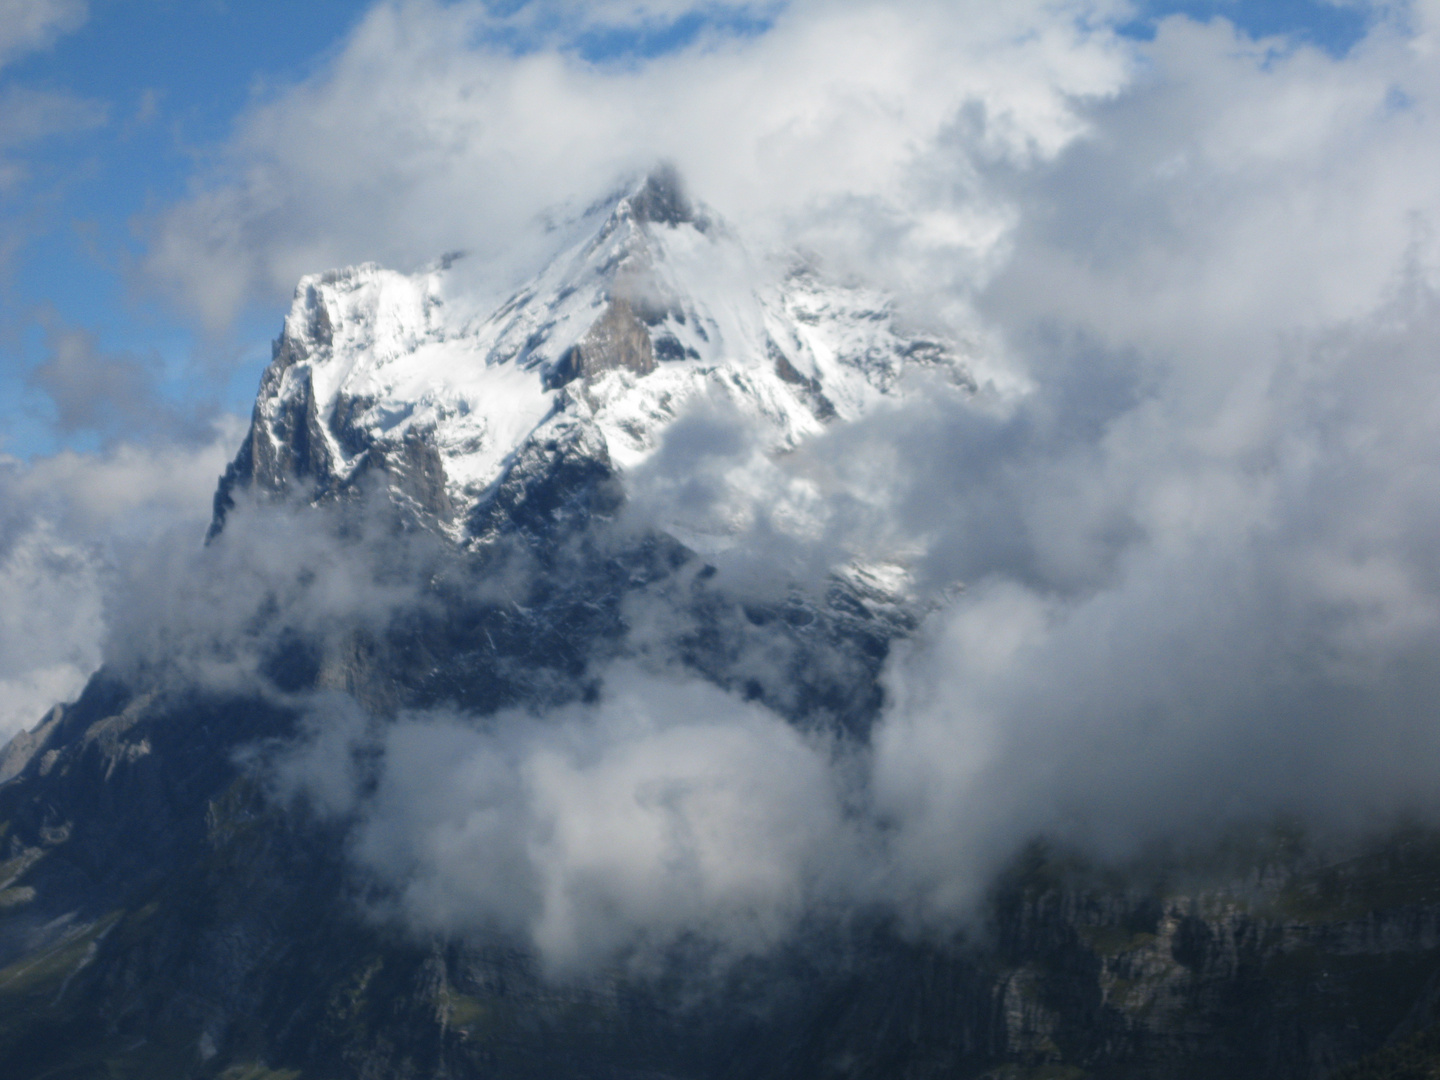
[(116, 396), (27, 25)]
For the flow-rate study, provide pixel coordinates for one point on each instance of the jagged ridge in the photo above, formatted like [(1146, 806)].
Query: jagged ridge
[(381, 375)]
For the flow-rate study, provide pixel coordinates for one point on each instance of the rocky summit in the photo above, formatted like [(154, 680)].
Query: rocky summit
[(469, 512)]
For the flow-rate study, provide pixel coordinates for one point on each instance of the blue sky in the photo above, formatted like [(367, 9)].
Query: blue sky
[(164, 81), (1333, 26), (144, 94)]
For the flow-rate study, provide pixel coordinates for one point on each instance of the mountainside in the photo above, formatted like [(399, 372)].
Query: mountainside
[(442, 511)]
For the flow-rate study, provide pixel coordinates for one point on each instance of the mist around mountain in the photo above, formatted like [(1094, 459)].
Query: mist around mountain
[(964, 604), (794, 438), (680, 669)]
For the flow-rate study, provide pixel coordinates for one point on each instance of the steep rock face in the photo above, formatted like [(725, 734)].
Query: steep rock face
[(618, 341), (1288, 968)]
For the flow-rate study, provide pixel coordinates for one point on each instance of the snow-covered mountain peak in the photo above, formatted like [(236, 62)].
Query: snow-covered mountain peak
[(650, 303)]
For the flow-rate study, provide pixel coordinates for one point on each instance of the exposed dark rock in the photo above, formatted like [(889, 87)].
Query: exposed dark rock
[(618, 339), (661, 200), (820, 405)]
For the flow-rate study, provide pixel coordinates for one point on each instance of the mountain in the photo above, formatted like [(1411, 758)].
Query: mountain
[(654, 307), (442, 510)]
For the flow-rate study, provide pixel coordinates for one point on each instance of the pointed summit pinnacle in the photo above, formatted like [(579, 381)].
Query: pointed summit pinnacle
[(661, 199)]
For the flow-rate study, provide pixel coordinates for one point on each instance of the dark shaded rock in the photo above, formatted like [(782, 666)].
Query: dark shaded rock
[(661, 200), (820, 405)]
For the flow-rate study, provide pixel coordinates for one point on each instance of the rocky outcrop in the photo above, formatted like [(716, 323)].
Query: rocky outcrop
[(617, 341)]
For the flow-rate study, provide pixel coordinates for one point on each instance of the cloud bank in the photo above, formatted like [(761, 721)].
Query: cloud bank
[(668, 811)]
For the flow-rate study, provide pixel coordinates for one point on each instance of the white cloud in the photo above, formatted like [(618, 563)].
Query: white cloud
[(72, 527), (26, 25), (667, 810), (27, 115), (1202, 589), (50, 625), (832, 126)]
